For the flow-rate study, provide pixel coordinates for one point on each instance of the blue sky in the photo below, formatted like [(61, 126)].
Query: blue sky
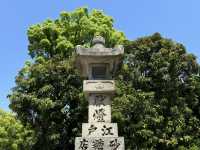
[(175, 19)]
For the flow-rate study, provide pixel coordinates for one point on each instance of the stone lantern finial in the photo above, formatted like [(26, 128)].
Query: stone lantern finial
[(98, 40)]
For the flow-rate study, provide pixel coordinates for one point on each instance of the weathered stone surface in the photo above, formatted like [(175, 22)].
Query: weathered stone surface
[(98, 54), (99, 99), (99, 114), (98, 40), (106, 143), (99, 130), (84, 64), (98, 86), (99, 108), (99, 64), (99, 49)]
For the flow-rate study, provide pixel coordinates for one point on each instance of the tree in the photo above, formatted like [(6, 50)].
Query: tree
[(158, 95), (48, 93), (13, 135), (157, 99)]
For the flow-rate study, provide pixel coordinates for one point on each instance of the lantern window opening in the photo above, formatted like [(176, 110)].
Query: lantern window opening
[(99, 71)]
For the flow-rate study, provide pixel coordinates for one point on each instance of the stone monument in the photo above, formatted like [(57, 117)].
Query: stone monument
[(98, 64)]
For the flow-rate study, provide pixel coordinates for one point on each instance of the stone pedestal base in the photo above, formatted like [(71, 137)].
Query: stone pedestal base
[(99, 130), (104, 143)]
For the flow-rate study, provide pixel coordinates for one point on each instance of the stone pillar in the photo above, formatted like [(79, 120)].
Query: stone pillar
[(99, 133)]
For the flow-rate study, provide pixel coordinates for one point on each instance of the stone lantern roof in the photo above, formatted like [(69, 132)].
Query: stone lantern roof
[(98, 54), (99, 49)]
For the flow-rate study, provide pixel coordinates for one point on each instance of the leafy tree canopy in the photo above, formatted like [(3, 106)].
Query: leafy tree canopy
[(158, 90), (13, 135), (48, 93), (158, 95)]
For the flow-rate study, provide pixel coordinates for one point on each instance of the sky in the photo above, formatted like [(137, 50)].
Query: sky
[(175, 19)]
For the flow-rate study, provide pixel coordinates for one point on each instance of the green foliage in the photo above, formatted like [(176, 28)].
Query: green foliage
[(59, 37), (13, 135), (157, 102), (158, 87), (48, 93)]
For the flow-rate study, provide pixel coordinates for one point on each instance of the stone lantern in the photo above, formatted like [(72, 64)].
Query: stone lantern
[(99, 64)]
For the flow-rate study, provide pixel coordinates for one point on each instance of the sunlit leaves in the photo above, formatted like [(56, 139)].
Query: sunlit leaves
[(157, 97), (78, 27), (13, 135), (48, 93)]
